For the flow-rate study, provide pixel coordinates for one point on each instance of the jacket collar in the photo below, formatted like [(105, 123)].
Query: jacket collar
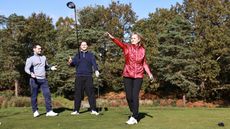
[(136, 45), (84, 51)]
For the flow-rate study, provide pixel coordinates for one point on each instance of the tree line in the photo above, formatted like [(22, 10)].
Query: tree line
[(188, 48)]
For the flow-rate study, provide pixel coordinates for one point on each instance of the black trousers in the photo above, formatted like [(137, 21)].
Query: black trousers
[(132, 89), (84, 83)]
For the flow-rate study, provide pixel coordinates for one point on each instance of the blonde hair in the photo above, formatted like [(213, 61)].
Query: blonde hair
[(140, 37)]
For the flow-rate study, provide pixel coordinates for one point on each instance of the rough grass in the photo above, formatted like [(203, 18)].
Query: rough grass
[(114, 118)]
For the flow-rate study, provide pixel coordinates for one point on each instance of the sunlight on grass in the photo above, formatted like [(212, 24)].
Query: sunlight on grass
[(114, 118)]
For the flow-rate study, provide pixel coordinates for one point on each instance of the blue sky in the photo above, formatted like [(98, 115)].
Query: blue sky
[(58, 8)]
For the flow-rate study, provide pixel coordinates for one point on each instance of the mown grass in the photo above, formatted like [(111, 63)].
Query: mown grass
[(114, 118)]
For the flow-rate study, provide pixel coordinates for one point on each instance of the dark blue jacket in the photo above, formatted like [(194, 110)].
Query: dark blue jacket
[(84, 64)]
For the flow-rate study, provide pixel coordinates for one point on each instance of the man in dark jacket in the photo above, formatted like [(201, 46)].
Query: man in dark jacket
[(85, 64)]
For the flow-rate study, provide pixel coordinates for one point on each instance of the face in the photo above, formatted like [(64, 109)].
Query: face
[(135, 39), (37, 50), (84, 46)]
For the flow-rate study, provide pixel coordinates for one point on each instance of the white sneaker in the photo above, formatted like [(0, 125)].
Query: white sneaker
[(131, 121), (75, 113), (51, 113), (94, 113), (36, 113)]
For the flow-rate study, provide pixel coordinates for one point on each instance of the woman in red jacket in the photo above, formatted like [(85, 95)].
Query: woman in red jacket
[(133, 73)]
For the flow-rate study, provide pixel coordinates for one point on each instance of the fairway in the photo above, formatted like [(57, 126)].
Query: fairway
[(114, 118)]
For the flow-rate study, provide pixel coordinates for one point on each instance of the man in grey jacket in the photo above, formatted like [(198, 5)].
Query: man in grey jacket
[(36, 66)]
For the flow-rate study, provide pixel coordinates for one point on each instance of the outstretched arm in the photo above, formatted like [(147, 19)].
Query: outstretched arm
[(50, 67), (118, 42)]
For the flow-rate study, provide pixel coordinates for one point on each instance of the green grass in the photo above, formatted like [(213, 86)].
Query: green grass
[(114, 118)]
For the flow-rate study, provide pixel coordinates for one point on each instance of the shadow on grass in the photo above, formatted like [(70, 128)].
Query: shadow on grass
[(98, 109), (61, 109), (58, 110), (142, 115), (101, 109), (84, 111)]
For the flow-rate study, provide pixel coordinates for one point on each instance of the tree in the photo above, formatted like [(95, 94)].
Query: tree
[(10, 52), (191, 47), (37, 29), (93, 23), (210, 20), (117, 18), (3, 21)]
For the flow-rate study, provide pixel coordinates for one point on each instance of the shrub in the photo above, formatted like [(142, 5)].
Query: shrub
[(14, 102)]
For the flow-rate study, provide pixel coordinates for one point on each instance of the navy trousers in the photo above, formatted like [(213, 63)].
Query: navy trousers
[(132, 90), (35, 85)]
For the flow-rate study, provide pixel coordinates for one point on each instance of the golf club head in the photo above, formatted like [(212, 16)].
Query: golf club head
[(221, 124), (70, 5), (106, 109)]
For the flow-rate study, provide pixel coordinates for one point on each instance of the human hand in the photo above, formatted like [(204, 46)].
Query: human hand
[(70, 60), (97, 73), (32, 75), (152, 79), (107, 33), (54, 67)]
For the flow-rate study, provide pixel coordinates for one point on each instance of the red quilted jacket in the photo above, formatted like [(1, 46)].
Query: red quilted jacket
[(135, 61)]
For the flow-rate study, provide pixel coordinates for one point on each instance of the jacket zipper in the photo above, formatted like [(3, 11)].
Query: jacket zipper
[(40, 59), (135, 63)]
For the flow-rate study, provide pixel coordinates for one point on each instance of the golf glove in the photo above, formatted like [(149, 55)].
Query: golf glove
[(97, 73), (53, 68), (152, 79)]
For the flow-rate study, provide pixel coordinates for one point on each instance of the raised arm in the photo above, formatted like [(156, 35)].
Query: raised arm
[(72, 62), (118, 42)]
